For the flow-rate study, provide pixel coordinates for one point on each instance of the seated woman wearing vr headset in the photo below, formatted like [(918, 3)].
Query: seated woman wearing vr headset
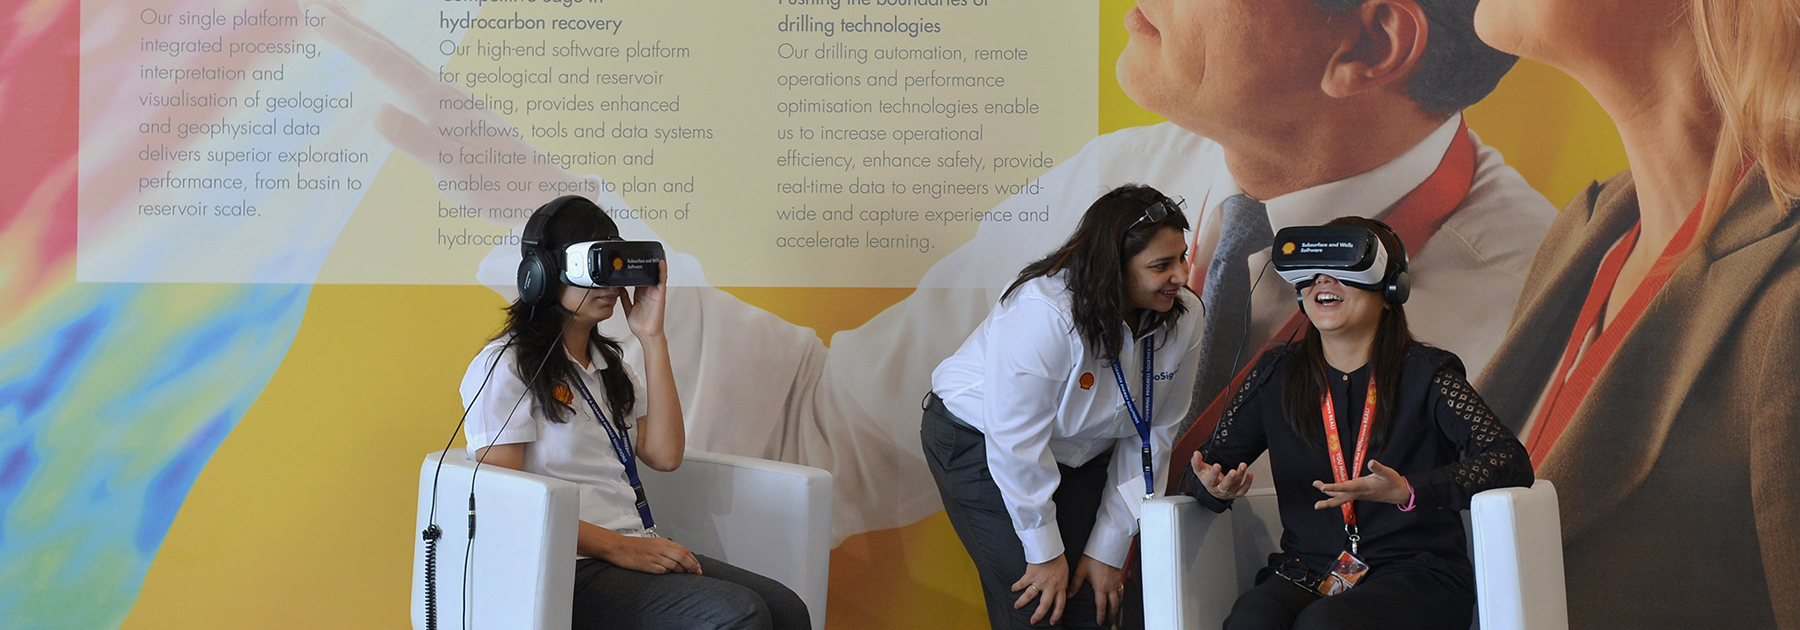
[(1046, 438), (1375, 546), (549, 395)]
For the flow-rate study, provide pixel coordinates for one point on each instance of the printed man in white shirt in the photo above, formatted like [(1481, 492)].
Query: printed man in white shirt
[(1319, 108)]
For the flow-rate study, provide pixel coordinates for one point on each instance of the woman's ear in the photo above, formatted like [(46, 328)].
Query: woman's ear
[(1385, 48)]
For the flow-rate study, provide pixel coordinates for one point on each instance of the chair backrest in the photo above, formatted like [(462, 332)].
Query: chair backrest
[(772, 518), (520, 569)]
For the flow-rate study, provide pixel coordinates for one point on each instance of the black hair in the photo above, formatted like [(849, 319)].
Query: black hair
[(1094, 260), (1458, 69), (1304, 385), (537, 330)]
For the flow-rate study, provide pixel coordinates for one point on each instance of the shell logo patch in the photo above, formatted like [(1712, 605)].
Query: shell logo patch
[(1087, 380), (562, 394), (1287, 248), (618, 263)]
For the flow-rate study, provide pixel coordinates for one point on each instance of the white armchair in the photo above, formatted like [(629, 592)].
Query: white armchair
[(1196, 562), (772, 518)]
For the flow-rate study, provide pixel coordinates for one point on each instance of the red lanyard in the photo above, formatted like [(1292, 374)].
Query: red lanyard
[(1332, 443), (1575, 377)]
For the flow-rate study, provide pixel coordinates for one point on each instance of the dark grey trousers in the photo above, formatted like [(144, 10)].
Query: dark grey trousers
[(722, 597), (957, 456)]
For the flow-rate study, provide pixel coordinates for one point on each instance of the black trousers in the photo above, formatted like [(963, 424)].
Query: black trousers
[(957, 456), (1396, 596), (609, 597)]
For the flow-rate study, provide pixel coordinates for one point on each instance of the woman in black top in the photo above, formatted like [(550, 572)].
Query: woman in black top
[(1432, 445)]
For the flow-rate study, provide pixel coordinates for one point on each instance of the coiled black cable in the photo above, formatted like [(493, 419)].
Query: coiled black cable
[(431, 535)]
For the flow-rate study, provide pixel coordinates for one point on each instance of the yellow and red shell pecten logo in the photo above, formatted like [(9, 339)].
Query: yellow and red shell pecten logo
[(618, 263), (1087, 380), (562, 394), (1287, 248)]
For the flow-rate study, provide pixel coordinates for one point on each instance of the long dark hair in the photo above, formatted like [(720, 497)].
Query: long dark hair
[(536, 331), (1304, 386), (1094, 260)]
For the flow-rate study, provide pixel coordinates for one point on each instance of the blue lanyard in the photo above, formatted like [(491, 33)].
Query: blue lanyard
[(1141, 421), (622, 447)]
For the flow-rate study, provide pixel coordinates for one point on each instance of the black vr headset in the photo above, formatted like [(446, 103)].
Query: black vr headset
[(1352, 254), (590, 264)]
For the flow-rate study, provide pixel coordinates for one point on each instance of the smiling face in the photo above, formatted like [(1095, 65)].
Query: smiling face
[(1154, 278), (1212, 66), (1336, 308)]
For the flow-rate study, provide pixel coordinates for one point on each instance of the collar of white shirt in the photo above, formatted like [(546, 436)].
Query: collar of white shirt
[(595, 361), (1369, 194)]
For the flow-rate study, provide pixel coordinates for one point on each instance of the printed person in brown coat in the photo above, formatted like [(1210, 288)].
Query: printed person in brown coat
[(1653, 361)]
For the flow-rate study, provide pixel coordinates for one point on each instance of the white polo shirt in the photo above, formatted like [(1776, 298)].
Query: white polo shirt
[(1041, 397), (576, 450)]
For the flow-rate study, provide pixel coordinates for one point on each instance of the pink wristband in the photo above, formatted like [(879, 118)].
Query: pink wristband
[(1411, 497)]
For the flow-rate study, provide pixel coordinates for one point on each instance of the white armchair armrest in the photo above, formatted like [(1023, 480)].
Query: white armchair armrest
[(1196, 562), (521, 570), (1518, 559), (1189, 564)]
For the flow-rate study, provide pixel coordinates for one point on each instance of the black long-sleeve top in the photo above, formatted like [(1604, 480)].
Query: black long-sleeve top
[(1443, 439)]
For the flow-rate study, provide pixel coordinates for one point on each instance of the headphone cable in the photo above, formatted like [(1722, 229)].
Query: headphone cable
[(432, 532), (468, 552), (1250, 299)]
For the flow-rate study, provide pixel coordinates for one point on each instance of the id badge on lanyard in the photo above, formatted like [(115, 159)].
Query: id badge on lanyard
[(621, 444), (1141, 421), (1348, 569)]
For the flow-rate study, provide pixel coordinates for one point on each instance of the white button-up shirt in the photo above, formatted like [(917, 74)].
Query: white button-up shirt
[(1042, 397), (576, 450)]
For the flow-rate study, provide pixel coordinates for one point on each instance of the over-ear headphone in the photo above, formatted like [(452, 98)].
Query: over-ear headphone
[(1397, 287), (540, 269)]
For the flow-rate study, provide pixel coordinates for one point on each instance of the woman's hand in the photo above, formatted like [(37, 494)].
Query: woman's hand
[(644, 306), (1047, 582), (651, 555), (1223, 485), (1381, 484), (413, 126), (1109, 586)]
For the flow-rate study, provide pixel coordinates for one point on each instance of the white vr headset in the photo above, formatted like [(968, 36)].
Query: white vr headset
[(1350, 253), (596, 264)]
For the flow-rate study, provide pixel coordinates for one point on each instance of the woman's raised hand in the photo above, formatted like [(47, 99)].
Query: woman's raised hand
[(413, 126), (1223, 485), (644, 306), (1381, 484)]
